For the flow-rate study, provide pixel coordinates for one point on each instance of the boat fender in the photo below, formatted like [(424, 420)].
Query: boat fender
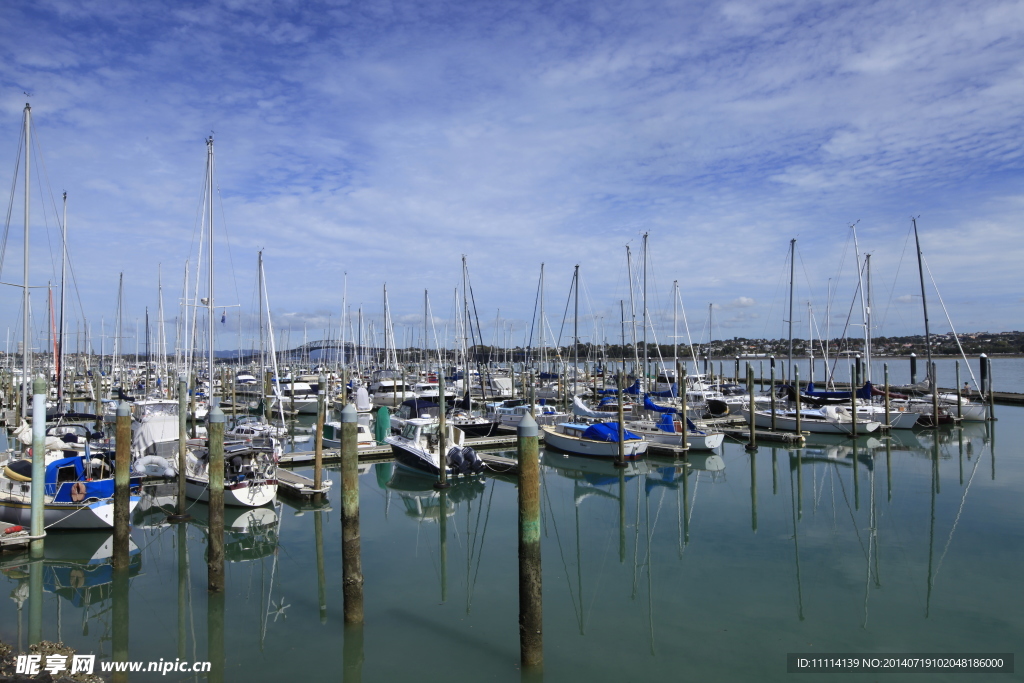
[(77, 492)]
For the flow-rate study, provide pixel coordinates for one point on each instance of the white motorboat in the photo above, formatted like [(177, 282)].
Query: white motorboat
[(418, 448)]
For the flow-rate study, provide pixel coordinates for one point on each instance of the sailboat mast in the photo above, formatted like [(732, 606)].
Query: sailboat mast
[(864, 313), (60, 336), (644, 373), (924, 303), (675, 328), (792, 252), (542, 341), (867, 317), (632, 307), (209, 293), (26, 351), (576, 330)]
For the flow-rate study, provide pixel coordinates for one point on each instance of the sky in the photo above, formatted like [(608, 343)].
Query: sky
[(360, 144)]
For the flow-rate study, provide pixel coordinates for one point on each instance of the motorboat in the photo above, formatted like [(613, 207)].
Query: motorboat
[(418, 448)]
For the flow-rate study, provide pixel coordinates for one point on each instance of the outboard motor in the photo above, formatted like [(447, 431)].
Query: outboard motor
[(455, 459), (473, 461)]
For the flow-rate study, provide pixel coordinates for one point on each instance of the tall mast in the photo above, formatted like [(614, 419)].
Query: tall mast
[(675, 328), (542, 350), (60, 337), (792, 252), (26, 349), (209, 293), (864, 310), (576, 330), (867, 317), (263, 353), (632, 306), (644, 373), (924, 303)]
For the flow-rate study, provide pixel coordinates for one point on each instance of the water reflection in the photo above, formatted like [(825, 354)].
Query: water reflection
[(77, 568), (619, 547)]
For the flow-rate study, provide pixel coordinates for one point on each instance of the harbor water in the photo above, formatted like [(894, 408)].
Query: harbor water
[(712, 568)]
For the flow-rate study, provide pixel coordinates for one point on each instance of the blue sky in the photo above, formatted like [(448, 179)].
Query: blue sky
[(386, 139)]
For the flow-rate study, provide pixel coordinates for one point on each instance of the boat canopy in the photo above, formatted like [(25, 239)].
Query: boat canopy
[(864, 392), (607, 431), (633, 389), (651, 405)]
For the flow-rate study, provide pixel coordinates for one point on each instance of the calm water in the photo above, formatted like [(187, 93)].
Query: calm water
[(668, 573), (1008, 373)]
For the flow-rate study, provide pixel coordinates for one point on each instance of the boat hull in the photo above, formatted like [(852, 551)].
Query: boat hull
[(788, 424), (590, 448), (238, 495), (96, 515)]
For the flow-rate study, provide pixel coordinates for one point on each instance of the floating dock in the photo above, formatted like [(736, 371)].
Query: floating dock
[(294, 484)]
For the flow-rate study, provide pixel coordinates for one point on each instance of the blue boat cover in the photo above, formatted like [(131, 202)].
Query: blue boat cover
[(98, 488), (864, 392), (607, 431), (651, 405), (671, 393), (634, 389)]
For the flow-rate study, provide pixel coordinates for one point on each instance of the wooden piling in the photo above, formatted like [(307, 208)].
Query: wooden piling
[(752, 421), (215, 470), (122, 482), (681, 384), (888, 420), (36, 508), (774, 426), (318, 434), (959, 394), (620, 459), (351, 562), (796, 387), (531, 635), (181, 515)]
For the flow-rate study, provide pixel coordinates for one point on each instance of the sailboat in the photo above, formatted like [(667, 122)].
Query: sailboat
[(78, 490), (250, 468)]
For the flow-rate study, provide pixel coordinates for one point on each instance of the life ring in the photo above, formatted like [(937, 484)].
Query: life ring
[(78, 492)]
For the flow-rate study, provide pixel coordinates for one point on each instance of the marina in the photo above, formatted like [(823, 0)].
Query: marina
[(674, 562), (563, 342)]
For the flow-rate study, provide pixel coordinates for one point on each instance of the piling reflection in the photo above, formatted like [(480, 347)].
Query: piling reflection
[(77, 567), (424, 503)]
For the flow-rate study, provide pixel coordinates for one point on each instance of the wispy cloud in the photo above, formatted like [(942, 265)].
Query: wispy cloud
[(387, 139)]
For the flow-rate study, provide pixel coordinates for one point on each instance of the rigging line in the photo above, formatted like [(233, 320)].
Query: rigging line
[(775, 296), (565, 313), (53, 201), (895, 279), (853, 518), (960, 510), (10, 202), (578, 610), (849, 315), (227, 243), (950, 321), (533, 319)]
